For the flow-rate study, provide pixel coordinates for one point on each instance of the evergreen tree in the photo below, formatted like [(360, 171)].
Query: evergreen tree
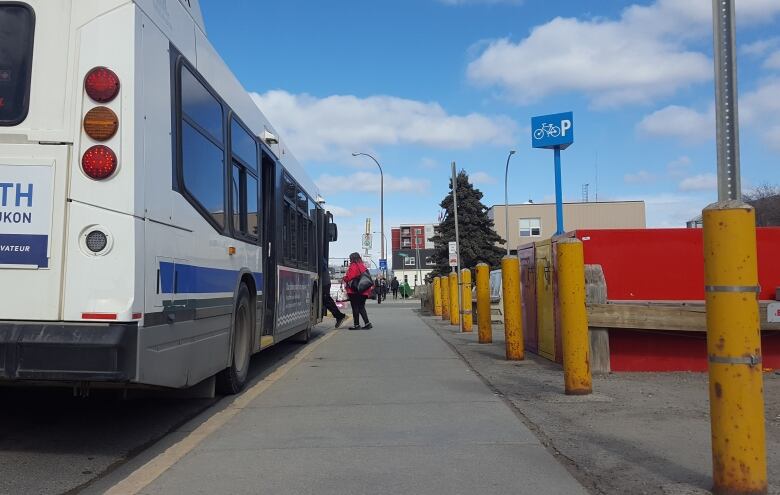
[(479, 243)]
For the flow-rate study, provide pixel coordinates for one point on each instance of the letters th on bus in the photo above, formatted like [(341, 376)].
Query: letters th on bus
[(25, 214)]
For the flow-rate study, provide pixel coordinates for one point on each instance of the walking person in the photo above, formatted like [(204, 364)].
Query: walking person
[(394, 287), (357, 298), (327, 299), (406, 291), (378, 289)]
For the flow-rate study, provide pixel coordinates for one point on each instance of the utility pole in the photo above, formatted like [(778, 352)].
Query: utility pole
[(457, 241)]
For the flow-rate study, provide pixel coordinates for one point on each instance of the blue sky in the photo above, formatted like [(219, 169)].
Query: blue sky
[(422, 83)]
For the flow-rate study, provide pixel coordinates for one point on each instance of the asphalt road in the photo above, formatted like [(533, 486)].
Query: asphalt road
[(54, 443)]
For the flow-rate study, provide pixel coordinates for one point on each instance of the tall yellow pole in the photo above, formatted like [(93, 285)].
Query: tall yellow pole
[(445, 298), (734, 349), (454, 306), (574, 317), (468, 320), (513, 315), (484, 324), (437, 296)]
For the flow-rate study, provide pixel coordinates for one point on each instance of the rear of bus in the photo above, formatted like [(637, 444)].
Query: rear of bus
[(71, 201)]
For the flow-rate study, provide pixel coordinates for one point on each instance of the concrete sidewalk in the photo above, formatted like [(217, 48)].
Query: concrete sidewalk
[(388, 410)]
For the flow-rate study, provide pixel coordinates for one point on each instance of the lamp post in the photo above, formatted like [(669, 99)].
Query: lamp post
[(381, 197), (506, 200)]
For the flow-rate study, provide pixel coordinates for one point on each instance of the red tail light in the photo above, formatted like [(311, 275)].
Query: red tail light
[(102, 84), (99, 162)]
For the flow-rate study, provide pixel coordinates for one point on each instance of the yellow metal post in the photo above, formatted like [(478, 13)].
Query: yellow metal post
[(445, 298), (484, 324), (454, 306), (574, 317), (468, 320), (734, 349), (513, 316), (437, 296)]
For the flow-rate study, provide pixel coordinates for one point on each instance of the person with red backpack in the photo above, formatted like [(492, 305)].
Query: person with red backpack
[(359, 286)]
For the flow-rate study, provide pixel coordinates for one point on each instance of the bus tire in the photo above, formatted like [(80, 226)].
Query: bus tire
[(232, 379)]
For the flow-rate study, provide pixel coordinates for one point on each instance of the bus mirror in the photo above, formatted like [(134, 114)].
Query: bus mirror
[(333, 232)]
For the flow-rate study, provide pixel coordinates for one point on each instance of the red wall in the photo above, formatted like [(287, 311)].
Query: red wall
[(667, 264)]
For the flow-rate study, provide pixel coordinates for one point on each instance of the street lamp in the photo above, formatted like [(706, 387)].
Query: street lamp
[(506, 200), (381, 196)]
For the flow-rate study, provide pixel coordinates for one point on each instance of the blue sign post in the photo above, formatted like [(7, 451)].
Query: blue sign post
[(554, 132), (383, 264)]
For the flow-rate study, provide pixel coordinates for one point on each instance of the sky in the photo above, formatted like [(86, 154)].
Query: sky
[(420, 84)]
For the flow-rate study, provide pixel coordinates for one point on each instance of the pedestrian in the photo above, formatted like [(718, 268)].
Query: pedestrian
[(378, 289), (406, 291), (327, 299), (357, 298), (383, 288), (394, 287)]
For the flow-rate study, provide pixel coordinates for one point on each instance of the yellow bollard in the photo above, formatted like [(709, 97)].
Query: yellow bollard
[(574, 317), (513, 316), (468, 303), (437, 296), (445, 298), (734, 349), (454, 306), (484, 324)]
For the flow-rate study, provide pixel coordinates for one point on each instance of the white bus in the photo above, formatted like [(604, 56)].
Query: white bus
[(154, 230)]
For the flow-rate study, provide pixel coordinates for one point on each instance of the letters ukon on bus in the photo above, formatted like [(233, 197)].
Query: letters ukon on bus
[(26, 199)]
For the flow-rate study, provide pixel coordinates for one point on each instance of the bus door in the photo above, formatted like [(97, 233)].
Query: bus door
[(270, 244)]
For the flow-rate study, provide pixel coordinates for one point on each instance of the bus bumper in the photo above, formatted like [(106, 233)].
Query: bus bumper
[(65, 352)]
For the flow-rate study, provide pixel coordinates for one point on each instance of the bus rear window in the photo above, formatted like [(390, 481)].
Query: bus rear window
[(17, 25)]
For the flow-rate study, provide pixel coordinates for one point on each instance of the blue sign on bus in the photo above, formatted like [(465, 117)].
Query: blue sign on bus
[(553, 131)]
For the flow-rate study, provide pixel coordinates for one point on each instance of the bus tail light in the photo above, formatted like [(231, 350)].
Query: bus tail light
[(102, 84), (99, 316), (99, 162), (101, 123)]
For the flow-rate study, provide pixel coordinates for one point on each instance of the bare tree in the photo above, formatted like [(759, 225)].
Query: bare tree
[(766, 200)]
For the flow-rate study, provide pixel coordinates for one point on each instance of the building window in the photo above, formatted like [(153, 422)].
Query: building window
[(530, 227), (429, 261), (409, 261), (406, 243)]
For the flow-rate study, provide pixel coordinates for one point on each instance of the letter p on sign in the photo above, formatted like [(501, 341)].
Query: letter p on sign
[(565, 126)]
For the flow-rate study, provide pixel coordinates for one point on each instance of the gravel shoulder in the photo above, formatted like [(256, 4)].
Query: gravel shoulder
[(639, 433)]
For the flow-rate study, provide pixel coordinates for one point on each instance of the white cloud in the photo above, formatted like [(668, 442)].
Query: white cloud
[(636, 58), (772, 137), (703, 182), (338, 211), (760, 48), (369, 182), (641, 177), (429, 163), (678, 166), (482, 178), (339, 124), (679, 122), (760, 110), (670, 210), (773, 61)]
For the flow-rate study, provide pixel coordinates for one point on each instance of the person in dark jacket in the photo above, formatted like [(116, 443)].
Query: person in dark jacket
[(394, 287), (327, 299), (357, 299)]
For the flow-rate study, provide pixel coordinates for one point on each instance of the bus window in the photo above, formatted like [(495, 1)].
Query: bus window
[(203, 172), (243, 145), (235, 187), (200, 106), (16, 50), (252, 207)]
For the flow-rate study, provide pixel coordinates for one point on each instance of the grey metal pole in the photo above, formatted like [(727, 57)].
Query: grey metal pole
[(381, 199), (506, 201), (457, 243), (726, 104)]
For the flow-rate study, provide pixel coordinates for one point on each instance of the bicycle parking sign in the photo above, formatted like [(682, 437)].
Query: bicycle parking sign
[(553, 131)]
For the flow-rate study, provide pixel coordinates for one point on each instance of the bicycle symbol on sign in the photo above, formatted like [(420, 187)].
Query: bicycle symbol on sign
[(547, 129)]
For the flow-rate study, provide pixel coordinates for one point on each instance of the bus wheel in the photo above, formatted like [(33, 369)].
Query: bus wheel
[(231, 380)]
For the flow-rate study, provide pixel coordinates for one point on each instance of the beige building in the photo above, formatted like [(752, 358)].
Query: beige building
[(536, 221)]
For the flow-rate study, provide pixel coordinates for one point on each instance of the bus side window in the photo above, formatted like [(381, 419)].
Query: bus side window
[(202, 150), (244, 184)]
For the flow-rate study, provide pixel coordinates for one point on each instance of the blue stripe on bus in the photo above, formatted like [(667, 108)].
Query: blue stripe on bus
[(192, 279)]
